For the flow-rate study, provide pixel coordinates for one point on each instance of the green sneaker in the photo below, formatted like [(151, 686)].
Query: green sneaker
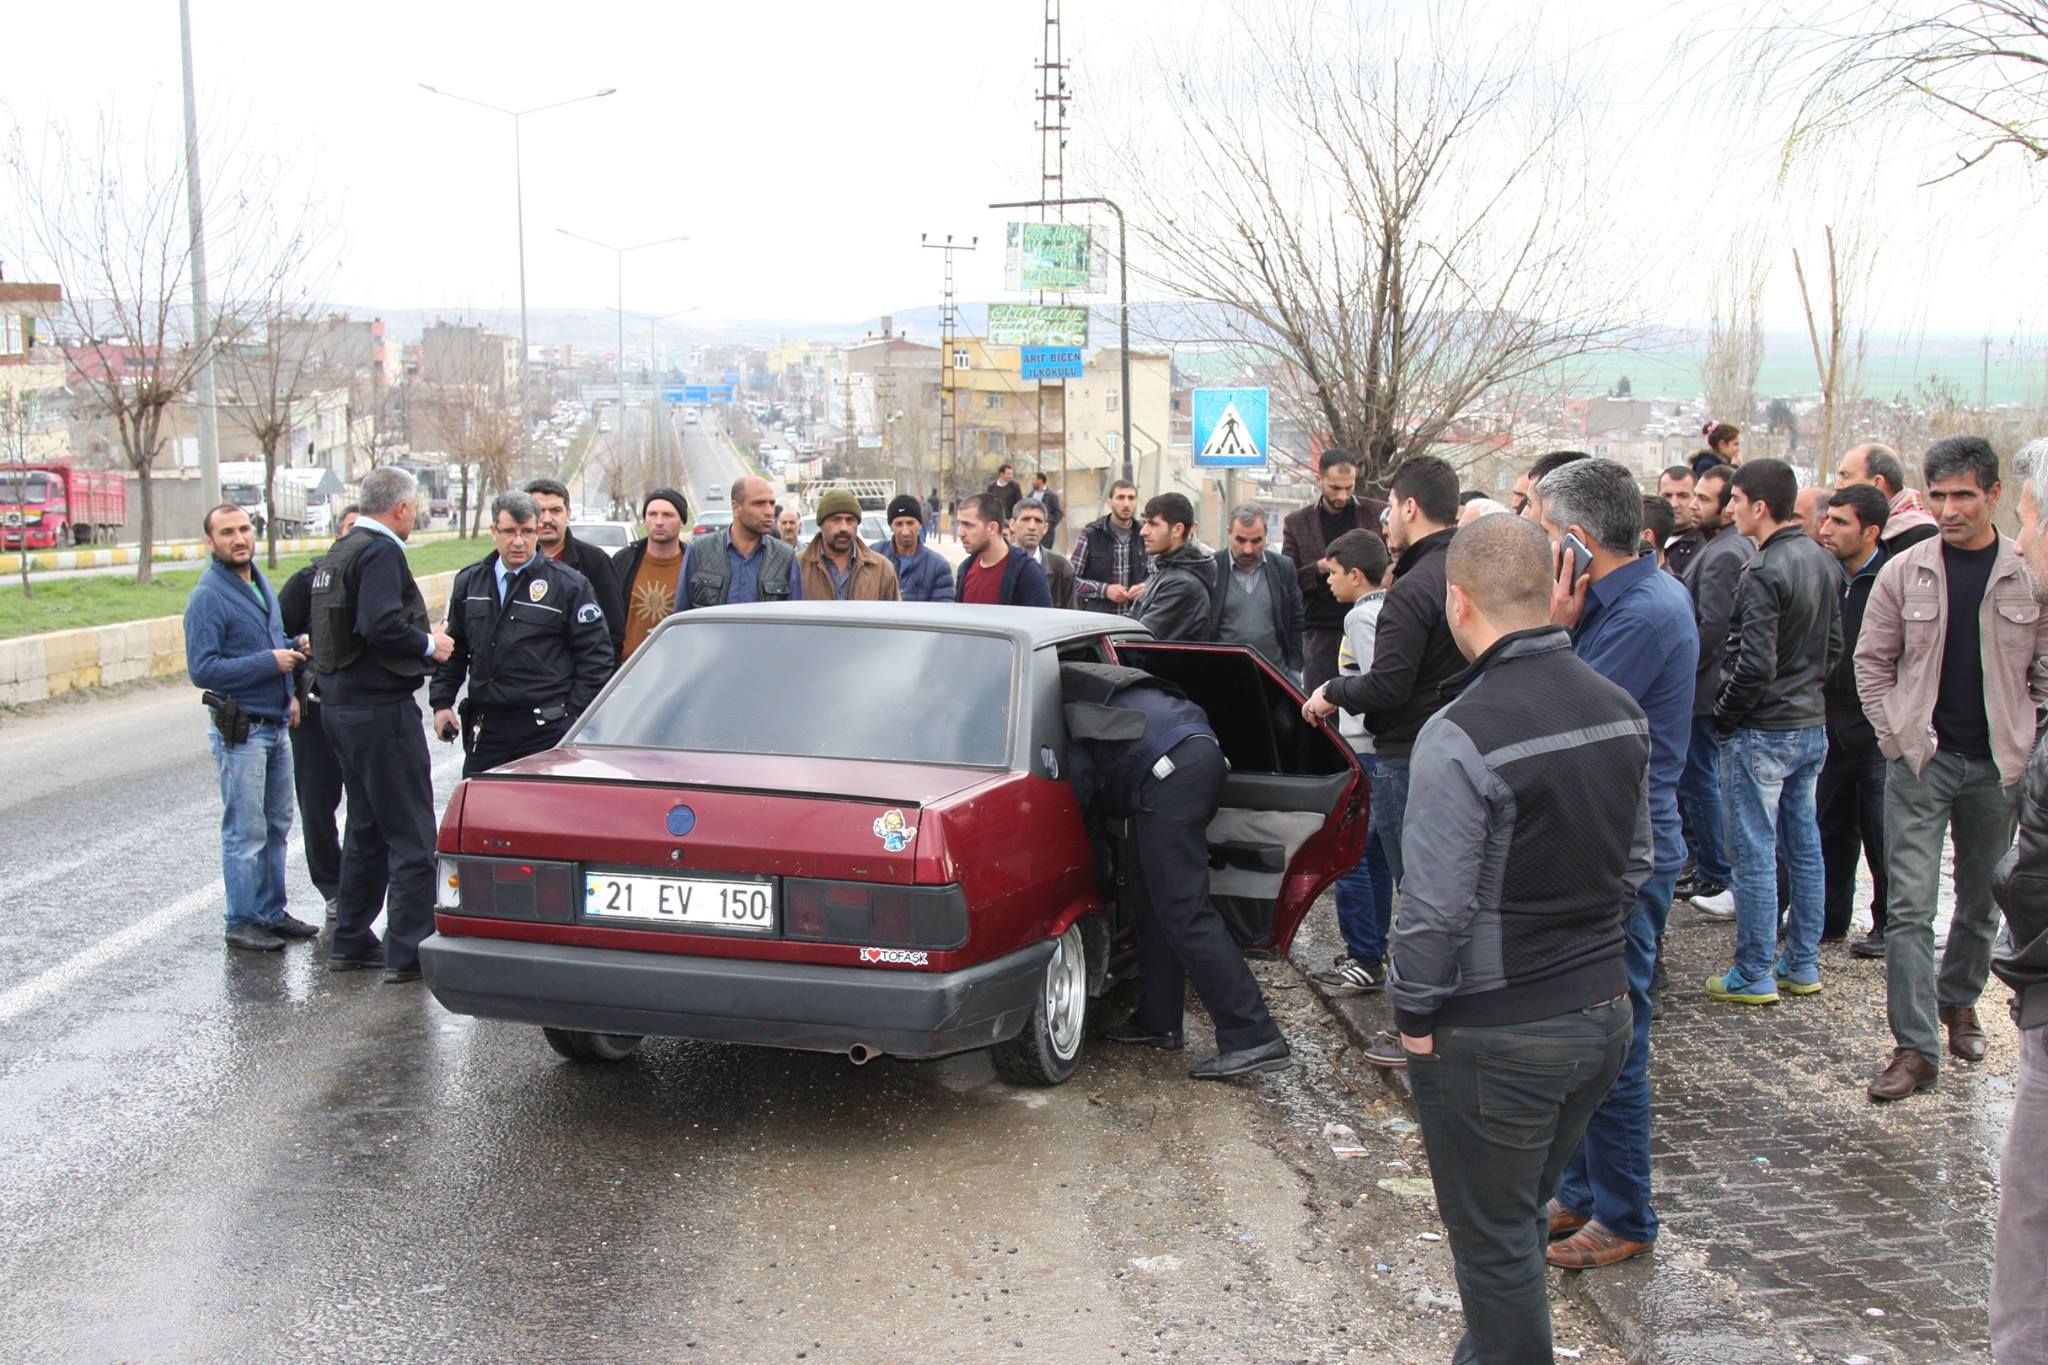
[(1798, 983), (1727, 988)]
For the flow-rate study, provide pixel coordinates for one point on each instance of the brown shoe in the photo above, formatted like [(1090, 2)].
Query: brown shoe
[(1965, 1035), (1591, 1247), (1563, 1222), (1907, 1074)]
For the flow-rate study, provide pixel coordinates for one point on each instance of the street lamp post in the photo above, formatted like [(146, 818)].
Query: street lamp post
[(619, 252), (519, 206), (1123, 298)]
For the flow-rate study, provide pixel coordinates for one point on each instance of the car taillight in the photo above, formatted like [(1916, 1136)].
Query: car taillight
[(506, 888), (867, 913)]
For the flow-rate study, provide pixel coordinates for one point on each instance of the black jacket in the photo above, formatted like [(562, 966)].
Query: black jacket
[(1176, 604), (2020, 886), (1848, 727), (595, 565), (1784, 637), (1711, 578), (1413, 654), (1680, 550), (1285, 590), (387, 616), (546, 645)]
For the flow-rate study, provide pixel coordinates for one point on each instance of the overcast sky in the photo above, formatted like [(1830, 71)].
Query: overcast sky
[(803, 145)]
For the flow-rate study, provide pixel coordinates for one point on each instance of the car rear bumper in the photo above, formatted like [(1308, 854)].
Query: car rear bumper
[(735, 1000)]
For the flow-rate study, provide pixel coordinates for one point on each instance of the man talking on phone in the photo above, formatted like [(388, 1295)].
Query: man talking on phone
[(531, 639), (1632, 624)]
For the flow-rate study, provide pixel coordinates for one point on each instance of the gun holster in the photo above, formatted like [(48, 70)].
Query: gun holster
[(228, 717), (464, 727)]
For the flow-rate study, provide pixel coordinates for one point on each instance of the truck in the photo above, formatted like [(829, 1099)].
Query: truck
[(52, 504), (241, 483)]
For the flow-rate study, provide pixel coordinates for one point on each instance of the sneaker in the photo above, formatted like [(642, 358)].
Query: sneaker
[(1870, 945), (1729, 988), (1805, 982), (1353, 977), (1719, 906)]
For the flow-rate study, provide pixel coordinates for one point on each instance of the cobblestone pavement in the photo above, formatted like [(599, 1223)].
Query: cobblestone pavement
[(1800, 1220)]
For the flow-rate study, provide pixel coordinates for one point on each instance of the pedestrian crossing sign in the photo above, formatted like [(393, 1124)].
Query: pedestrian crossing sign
[(1229, 428)]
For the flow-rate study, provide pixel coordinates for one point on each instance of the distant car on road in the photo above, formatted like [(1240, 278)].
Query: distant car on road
[(606, 535), (723, 849), (711, 519)]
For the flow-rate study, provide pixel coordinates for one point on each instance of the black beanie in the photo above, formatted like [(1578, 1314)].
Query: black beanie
[(668, 495), (904, 505)]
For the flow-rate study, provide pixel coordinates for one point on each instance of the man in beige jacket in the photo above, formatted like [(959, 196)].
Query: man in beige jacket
[(836, 564), (1951, 671)]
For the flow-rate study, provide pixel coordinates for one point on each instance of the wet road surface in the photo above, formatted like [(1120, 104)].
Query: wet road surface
[(206, 1155)]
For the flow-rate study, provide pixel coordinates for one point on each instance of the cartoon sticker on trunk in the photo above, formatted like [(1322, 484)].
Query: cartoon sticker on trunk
[(893, 832)]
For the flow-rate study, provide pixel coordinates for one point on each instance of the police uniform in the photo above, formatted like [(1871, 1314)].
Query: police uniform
[(316, 772), (1140, 749), (371, 651), (534, 658)]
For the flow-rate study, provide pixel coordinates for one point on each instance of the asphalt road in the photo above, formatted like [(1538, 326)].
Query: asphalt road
[(216, 1155), (709, 462)]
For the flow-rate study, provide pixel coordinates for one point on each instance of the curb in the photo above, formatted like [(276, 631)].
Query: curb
[(1690, 1315), (37, 667)]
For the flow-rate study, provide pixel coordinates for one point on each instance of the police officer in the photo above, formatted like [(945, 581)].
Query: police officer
[(531, 639), (1141, 749), (316, 772), (372, 647)]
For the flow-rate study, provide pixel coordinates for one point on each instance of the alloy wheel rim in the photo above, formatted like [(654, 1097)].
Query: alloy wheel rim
[(1066, 993)]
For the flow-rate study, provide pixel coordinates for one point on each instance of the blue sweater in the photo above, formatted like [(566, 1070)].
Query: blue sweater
[(228, 639), (922, 577)]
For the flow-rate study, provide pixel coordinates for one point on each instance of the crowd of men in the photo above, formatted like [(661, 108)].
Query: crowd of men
[(1576, 711)]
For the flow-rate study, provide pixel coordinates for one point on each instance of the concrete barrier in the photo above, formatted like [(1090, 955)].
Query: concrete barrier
[(38, 667), (166, 552)]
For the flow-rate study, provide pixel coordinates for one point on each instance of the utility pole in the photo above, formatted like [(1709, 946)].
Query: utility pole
[(1052, 179), (1984, 378), (949, 326), (202, 317)]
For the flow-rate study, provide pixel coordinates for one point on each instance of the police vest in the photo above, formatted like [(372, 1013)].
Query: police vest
[(336, 643), (711, 574)]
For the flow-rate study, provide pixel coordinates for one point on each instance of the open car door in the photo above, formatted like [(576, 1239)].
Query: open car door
[(1293, 814)]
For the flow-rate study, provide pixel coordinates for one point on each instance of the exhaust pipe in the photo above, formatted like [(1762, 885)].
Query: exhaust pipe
[(860, 1054)]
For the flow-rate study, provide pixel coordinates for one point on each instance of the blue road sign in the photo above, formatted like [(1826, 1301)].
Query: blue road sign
[(694, 394), (1049, 362), (1229, 428), (732, 376)]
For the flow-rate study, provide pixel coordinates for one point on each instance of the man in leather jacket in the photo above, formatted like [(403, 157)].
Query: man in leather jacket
[(1176, 604)]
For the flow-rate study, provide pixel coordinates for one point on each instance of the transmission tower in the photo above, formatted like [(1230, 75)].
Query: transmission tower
[(1051, 125), (949, 327)]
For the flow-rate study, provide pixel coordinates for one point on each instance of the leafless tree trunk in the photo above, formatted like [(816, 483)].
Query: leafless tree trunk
[(1735, 332), (14, 437), (1407, 221), (1978, 67), (106, 218), (1837, 360)]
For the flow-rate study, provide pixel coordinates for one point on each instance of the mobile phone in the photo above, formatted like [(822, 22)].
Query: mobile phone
[(1582, 558)]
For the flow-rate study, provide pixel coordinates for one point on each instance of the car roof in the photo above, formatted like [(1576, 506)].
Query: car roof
[(1027, 626)]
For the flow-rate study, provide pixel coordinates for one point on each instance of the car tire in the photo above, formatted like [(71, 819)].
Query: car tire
[(1049, 1046), (579, 1046)]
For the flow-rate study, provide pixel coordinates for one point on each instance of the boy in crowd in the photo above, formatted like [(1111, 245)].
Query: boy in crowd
[(1357, 568)]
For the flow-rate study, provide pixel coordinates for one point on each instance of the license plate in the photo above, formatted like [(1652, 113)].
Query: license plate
[(694, 902)]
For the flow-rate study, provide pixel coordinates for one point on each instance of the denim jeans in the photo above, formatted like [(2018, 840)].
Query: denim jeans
[(1608, 1178), (1389, 804), (1962, 796), (1699, 799), (255, 820), (1502, 1109), (1365, 894), (1767, 783)]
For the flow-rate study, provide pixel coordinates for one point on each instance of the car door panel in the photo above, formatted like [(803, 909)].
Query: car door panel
[(1292, 815)]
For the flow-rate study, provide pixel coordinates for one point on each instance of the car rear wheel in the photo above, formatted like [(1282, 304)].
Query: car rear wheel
[(1046, 1051), (578, 1046)]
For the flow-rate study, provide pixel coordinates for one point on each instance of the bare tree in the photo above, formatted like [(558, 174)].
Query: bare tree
[(1408, 222), (14, 432), (1734, 353), (373, 419), (105, 216), (1837, 356), (1978, 67)]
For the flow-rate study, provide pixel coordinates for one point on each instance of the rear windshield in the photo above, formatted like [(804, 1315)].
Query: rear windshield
[(814, 691)]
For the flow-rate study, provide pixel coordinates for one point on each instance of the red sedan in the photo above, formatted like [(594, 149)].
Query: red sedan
[(846, 828)]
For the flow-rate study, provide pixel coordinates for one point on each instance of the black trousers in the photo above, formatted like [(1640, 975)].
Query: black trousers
[(1181, 936), (316, 776), (1319, 657), (1850, 801), (389, 847), (502, 736)]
